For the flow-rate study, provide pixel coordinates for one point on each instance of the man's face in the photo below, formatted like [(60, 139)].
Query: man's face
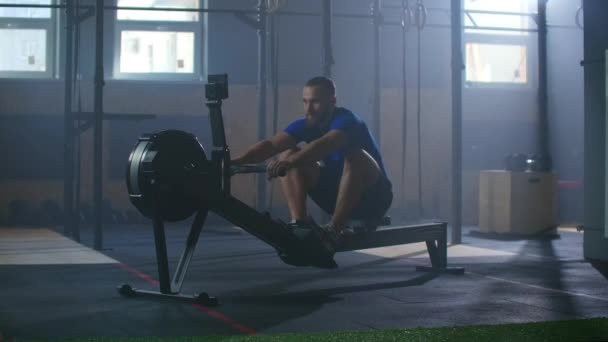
[(318, 105)]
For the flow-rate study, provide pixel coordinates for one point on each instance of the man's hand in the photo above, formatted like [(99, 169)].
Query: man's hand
[(278, 168)]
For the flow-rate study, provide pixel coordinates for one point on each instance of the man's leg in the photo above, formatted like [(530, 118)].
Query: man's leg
[(360, 172), (296, 184), (315, 251)]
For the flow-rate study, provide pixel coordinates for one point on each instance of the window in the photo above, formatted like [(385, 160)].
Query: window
[(499, 42), (27, 38), (163, 45), (497, 63)]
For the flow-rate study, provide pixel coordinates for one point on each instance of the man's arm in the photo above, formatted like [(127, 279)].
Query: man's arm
[(320, 148), (265, 149)]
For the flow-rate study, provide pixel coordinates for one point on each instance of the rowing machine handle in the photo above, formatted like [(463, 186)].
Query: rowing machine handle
[(249, 168)]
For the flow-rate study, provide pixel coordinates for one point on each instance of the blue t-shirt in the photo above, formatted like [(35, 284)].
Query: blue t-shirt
[(346, 121)]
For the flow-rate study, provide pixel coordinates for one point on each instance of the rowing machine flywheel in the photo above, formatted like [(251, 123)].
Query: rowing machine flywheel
[(168, 175)]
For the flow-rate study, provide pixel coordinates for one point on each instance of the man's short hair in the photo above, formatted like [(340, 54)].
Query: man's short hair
[(326, 83)]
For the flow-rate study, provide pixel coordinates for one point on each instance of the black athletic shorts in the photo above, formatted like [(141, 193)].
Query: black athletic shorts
[(374, 203)]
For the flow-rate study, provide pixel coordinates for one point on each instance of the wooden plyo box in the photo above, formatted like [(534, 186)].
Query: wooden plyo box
[(517, 202)]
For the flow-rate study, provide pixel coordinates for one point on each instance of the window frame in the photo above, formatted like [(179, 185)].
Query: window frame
[(198, 28), (51, 26), (529, 41)]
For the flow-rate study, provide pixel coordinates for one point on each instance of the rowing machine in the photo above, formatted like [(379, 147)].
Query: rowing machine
[(169, 178)]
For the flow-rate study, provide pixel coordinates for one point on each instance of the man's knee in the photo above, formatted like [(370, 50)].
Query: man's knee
[(285, 154), (309, 173), (360, 160)]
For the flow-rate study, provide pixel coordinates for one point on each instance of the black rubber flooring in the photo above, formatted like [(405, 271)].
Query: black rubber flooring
[(544, 279)]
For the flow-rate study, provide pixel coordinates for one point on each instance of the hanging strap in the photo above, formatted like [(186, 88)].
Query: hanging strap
[(274, 51), (420, 15), (406, 25)]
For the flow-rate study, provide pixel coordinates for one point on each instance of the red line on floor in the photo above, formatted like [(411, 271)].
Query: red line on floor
[(238, 326), (140, 275), (213, 313)]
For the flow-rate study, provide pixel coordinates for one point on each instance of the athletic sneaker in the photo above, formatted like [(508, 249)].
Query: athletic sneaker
[(332, 234), (302, 228), (317, 243)]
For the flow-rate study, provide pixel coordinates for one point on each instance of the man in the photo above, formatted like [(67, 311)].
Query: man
[(339, 167)]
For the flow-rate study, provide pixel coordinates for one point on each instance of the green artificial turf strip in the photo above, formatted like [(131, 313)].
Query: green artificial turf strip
[(595, 329)]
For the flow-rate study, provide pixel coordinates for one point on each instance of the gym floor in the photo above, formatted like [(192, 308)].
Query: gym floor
[(53, 287)]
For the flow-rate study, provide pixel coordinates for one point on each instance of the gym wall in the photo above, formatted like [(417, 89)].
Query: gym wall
[(496, 122)]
